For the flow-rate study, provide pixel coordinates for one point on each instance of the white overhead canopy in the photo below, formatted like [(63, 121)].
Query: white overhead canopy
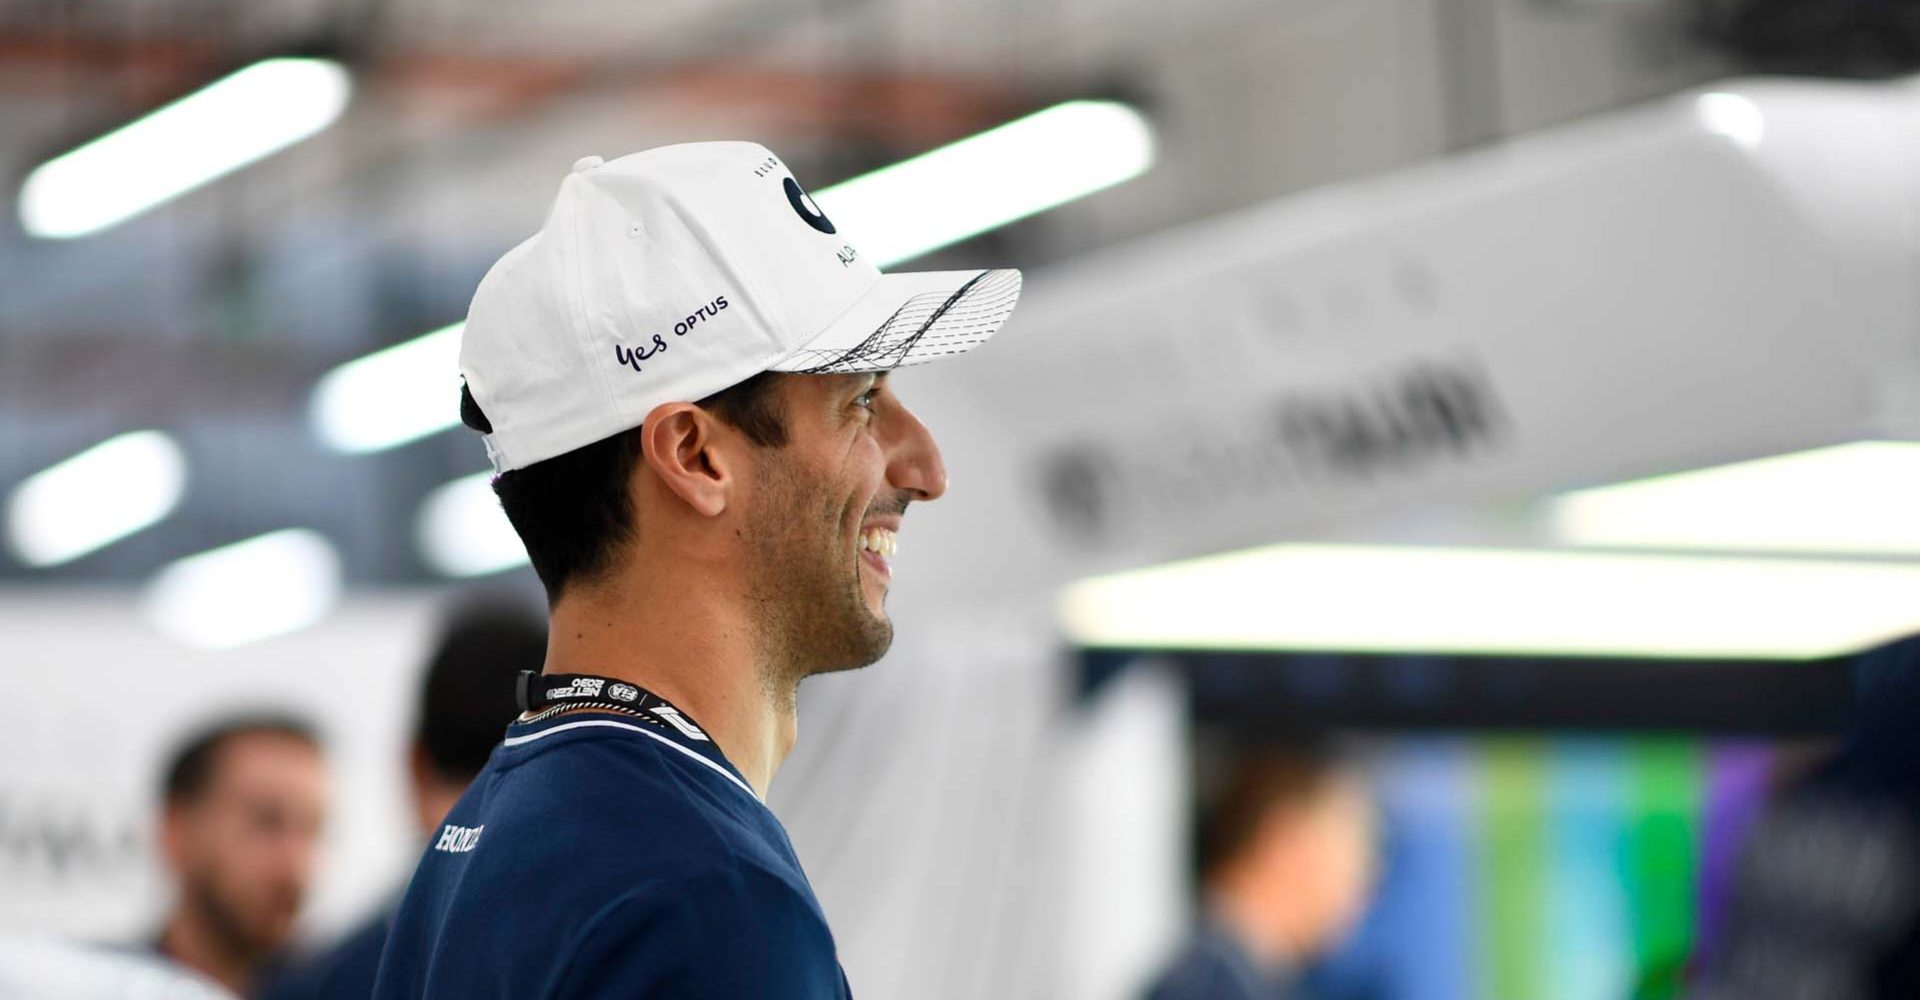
[(1715, 277)]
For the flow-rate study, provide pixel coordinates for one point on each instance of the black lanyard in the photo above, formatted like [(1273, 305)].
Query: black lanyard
[(538, 692)]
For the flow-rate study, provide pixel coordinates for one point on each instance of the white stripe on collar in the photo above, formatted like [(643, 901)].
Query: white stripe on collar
[(514, 741)]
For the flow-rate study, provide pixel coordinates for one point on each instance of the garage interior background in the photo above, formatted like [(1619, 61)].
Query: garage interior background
[(1030, 846)]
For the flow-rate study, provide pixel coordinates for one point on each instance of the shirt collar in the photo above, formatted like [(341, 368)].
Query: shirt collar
[(659, 721)]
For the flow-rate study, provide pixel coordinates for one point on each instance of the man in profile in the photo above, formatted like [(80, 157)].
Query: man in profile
[(1286, 864), (466, 702), (243, 803), (683, 379)]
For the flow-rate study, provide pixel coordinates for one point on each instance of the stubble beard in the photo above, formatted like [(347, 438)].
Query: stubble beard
[(225, 919), (811, 611)]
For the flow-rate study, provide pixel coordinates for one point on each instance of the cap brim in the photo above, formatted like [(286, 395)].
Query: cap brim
[(911, 318)]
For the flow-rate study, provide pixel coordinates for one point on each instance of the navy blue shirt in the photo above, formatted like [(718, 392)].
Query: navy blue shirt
[(603, 855)]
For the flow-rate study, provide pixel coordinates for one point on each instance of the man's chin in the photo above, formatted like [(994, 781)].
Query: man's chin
[(876, 643), (869, 643)]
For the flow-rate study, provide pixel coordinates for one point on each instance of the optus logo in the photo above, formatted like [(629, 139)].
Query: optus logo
[(631, 357)]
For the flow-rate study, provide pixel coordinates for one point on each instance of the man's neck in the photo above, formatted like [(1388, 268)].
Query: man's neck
[(688, 649), (193, 944)]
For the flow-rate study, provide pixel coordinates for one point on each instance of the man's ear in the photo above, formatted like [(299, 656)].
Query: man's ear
[(685, 446)]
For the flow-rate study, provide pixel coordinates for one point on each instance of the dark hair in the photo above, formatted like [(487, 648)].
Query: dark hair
[(572, 511), (1257, 782), (466, 697), (191, 771)]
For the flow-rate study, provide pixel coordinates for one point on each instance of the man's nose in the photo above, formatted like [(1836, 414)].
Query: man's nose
[(915, 464)]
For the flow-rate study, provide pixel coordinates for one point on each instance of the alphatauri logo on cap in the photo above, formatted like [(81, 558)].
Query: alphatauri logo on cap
[(804, 205)]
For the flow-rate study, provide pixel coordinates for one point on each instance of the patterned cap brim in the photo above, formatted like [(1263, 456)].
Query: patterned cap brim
[(912, 318)]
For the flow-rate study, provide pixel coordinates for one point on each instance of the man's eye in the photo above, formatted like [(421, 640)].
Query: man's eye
[(865, 399)]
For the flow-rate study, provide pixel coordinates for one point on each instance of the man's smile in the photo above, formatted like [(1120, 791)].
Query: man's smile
[(877, 544)]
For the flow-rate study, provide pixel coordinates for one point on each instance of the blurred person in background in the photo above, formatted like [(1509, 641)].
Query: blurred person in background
[(466, 702), (1286, 864), (1826, 899), (244, 801)]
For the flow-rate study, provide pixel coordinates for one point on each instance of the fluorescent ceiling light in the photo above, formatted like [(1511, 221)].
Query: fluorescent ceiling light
[(461, 530), (1494, 602), (985, 181), (265, 586), (968, 187), (99, 496), (391, 397), (1854, 499), (1733, 116), (214, 131)]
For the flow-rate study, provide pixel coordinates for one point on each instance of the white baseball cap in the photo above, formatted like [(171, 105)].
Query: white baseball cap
[(674, 273)]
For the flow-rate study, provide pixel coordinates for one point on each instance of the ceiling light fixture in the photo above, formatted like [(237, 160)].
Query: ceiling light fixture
[(95, 498), (392, 396), (461, 531), (1852, 499), (234, 121), (1385, 599), (986, 181), (265, 586)]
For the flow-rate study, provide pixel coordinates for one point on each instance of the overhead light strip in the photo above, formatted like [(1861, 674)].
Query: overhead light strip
[(95, 498), (1856, 499), (461, 531), (390, 397), (1388, 599), (265, 586), (226, 125), (985, 181)]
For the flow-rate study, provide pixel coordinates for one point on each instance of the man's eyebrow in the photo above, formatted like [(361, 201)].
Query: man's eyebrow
[(856, 383)]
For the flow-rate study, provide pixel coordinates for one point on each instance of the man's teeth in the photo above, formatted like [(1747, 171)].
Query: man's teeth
[(879, 540)]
